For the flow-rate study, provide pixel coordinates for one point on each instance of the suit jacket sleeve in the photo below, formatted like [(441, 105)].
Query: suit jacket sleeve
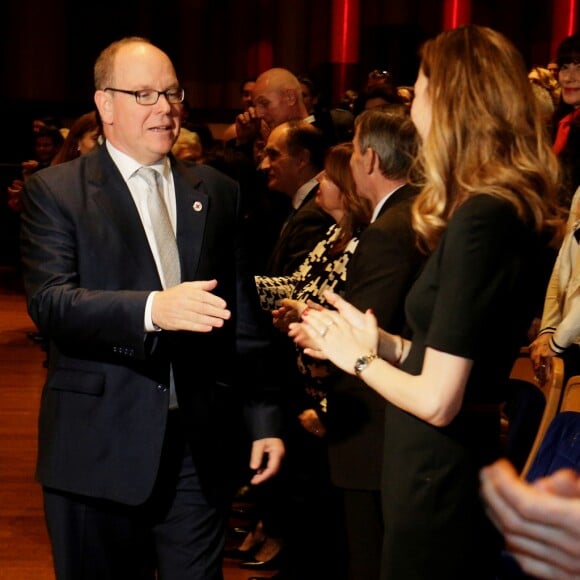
[(384, 267), (62, 244)]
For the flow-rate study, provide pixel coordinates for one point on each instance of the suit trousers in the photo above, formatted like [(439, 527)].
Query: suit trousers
[(176, 534)]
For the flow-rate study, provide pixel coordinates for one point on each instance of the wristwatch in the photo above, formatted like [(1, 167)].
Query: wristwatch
[(363, 362)]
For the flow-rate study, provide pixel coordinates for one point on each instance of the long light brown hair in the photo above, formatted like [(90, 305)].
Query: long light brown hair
[(486, 135)]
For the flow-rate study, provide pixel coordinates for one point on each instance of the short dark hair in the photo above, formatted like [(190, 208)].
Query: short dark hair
[(52, 132), (302, 136), (569, 51), (305, 80)]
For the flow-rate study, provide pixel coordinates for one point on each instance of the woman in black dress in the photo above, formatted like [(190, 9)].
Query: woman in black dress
[(486, 208)]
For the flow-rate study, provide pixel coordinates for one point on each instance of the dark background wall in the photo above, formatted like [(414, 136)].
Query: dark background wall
[(48, 47)]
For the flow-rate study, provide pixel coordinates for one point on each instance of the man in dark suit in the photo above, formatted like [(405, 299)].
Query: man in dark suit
[(293, 157), (141, 409), (380, 273)]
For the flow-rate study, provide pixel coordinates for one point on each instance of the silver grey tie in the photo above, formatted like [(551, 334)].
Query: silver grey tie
[(166, 244), (162, 229)]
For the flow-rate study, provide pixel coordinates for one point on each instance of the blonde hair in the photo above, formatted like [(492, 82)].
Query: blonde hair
[(486, 135), (187, 145), (543, 77)]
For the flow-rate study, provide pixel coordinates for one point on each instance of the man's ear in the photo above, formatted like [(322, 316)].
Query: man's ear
[(291, 96), (104, 103), (303, 158), (370, 160)]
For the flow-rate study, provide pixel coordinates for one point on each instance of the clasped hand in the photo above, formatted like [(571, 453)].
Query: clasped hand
[(540, 353), (190, 306), (340, 335), (289, 311)]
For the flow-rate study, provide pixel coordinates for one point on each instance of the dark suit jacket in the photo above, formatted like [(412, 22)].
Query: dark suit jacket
[(380, 273), (303, 230), (88, 270)]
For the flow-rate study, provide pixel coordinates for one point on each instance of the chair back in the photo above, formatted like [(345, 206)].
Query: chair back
[(571, 396), (551, 387), (560, 447)]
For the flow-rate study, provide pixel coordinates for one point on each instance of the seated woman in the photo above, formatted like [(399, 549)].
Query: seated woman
[(560, 325)]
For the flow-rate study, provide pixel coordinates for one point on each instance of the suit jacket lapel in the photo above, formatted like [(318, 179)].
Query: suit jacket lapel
[(192, 205), (112, 195), (110, 192), (287, 231)]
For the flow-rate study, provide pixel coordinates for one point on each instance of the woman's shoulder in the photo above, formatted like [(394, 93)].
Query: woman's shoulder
[(487, 215), (483, 207)]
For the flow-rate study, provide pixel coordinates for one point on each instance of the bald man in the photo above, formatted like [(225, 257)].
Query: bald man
[(277, 97)]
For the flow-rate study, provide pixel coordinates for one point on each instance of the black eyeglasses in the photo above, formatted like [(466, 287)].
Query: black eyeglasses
[(150, 97)]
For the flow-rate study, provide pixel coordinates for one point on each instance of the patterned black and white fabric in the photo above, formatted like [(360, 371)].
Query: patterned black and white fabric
[(320, 271)]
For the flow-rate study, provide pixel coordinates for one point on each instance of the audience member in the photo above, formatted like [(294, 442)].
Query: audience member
[(318, 114), (406, 95), (315, 536), (547, 91), (293, 157), (485, 210), (246, 88), (376, 97), (82, 137), (540, 521), (47, 142), (41, 123), (382, 270), (277, 99), (347, 100), (544, 78), (567, 139), (131, 457), (343, 116), (560, 325), (554, 69), (188, 146), (380, 78)]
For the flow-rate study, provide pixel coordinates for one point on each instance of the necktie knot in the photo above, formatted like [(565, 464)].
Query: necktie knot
[(151, 177)]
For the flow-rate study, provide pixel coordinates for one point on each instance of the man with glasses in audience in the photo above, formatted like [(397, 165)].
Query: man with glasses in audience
[(135, 271)]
